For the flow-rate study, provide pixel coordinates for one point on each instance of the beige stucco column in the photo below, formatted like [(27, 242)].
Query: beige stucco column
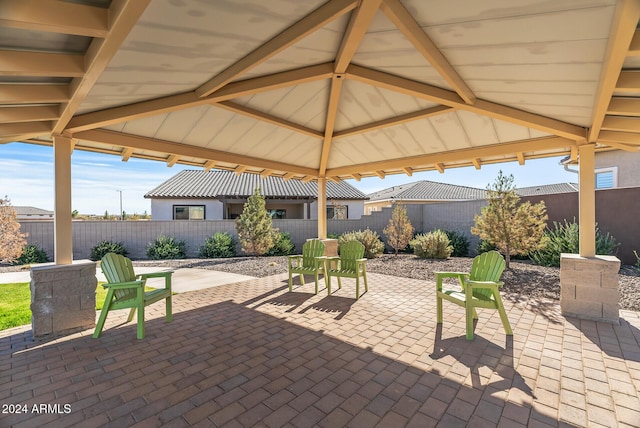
[(587, 196), (322, 207), (63, 235)]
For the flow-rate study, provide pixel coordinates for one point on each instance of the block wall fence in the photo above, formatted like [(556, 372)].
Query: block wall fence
[(616, 213)]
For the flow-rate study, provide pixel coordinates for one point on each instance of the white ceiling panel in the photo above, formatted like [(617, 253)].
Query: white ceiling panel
[(480, 130)]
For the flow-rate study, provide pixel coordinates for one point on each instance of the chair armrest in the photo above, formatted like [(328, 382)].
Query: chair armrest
[(295, 256), (484, 284), (162, 274), (124, 285), (361, 260), (440, 275)]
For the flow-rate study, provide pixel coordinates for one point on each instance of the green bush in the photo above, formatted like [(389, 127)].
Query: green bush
[(373, 246), (105, 247), (484, 246), (165, 247), (283, 245), (220, 245), (459, 242), (32, 254), (565, 238), (432, 245)]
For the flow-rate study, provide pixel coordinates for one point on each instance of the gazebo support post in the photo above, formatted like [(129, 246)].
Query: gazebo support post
[(330, 245), (589, 282)]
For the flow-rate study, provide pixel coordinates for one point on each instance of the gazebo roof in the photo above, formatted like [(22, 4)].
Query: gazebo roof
[(314, 88)]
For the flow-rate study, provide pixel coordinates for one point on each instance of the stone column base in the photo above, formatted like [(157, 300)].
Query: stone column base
[(589, 287), (63, 297)]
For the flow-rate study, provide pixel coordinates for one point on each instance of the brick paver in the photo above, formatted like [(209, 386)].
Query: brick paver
[(253, 354)]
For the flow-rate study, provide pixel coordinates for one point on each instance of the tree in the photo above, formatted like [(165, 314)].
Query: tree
[(399, 231), (254, 226), (13, 242), (513, 227)]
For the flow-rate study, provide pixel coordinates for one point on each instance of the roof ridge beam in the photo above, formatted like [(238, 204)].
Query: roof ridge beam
[(189, 99), (392, 121), (152, 144), (452, 99), (307, 25), (406, 23), (332, 112), (55, 17)]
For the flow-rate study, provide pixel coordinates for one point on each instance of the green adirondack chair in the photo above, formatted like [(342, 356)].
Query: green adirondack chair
[(350, 264), (126, 290), (480, 289), (310, 262)]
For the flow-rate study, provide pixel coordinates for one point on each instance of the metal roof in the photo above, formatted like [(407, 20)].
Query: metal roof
[(426, 190), (227, 184), (548, 189), (24, 210), (335, 89)]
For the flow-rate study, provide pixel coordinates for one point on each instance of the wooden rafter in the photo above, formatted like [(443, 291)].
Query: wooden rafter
[(240, 169), (628, 81), (380, 174), (407, 171), (126, 154), (123, 15), (288, 176), (32, 94), (32, 129), (624, 106), (520, 156), (634, 47), (152, 144), (619, 137), (405, 22), (392, 121), (208, 165), (476, 163), (268, 118), (19, 63), (307, 25), (332, 112), (630, 124), (172, 160), (623, 29), (356, 177), (190, 99), (623, 146), (358, 24), (28, 114), (439, 166), (546, 143), (449, 98)]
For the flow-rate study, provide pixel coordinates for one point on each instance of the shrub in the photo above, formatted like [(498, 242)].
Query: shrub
[(254, 226), (220, 245), (565, 238), (399, 231), (13, 242), (459, 242), (105, 247), (373, 246), (165, 247), (32, 254), (283, 245), (432, 245), (484, 246)]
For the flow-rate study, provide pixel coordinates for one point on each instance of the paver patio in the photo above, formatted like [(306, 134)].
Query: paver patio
[(253, 354)]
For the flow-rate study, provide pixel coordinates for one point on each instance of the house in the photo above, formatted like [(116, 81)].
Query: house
[(616, 169), (32, 214), (218, 194), (428, 192)]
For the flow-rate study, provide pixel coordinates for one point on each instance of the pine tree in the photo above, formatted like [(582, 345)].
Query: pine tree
[(513, 227), (254, 226), (399, 231), (13, 242)]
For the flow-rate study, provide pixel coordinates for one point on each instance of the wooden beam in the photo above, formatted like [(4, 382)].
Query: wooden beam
[(440, 167), (624, 106), (18, 63), (183, 150), (358, 24), (332, 112), (288, 176), (172, 160), (502, 149), (392, 121), (476, 163), (265, 117), (185, 100), (126, 154), (54, 17), (123, 16), (623, 29), (334, 179), (520, 156), (28, 114), (356, 176), (628, 81), (15, 129), (240, 169), (266, 172), (622, 146), (208, 165), (407, 171), (619, 137), (308, 178), (574, 153), (634, 47), (449, 98), (307, 25), (33, 93), (630, 124), (380, 174), (406, 23)]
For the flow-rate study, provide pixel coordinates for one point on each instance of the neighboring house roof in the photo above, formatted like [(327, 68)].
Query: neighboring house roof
[(428, 191), (433, 191), (31, 211), (228, 184), (548, 189)]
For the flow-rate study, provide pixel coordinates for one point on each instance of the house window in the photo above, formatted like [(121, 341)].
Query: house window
[(607, 178), (188, 212), (277, 214), (337, 212)]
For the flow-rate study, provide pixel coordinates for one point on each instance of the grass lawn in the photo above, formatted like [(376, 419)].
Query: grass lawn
[(15, 304)]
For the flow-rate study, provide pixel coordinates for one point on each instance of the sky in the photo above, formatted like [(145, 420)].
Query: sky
[(26, 177)]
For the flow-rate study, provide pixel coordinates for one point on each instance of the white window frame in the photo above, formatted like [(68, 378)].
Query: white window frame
[(614, 173)]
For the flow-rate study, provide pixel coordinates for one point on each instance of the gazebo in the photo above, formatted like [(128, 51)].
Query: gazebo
[(324, 90)]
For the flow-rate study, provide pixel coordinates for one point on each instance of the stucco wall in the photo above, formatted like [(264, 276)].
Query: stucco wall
[(628, 164), (162, 209)]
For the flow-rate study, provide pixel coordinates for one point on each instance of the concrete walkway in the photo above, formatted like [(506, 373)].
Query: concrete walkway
[(183, 279)]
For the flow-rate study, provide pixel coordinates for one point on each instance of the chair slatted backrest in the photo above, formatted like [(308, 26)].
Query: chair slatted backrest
[(117, 268), (487, 267), (310, 250), (349, 253)]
